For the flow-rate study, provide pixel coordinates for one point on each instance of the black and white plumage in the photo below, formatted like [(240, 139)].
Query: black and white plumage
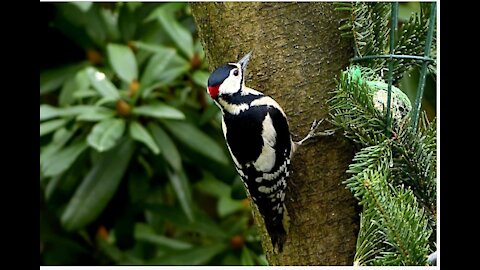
[(257, 135)]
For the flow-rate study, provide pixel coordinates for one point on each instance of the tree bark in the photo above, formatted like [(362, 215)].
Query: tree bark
[(297, 54)]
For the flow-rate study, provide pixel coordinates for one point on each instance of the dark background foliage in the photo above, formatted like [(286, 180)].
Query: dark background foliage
[(134, 169)]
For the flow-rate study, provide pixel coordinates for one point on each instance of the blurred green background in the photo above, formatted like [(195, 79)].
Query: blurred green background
[(133, 165)]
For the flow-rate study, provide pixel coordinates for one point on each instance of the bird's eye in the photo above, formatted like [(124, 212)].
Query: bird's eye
[(235, 72)]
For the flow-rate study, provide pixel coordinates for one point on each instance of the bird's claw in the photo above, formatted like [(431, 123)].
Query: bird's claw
[(327, 132), (315, 124), (313, 134)]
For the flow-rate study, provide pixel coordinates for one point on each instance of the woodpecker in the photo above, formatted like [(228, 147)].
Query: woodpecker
[(258, 138)]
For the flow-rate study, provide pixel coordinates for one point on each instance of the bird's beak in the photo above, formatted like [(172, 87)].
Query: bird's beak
[(244, 61)]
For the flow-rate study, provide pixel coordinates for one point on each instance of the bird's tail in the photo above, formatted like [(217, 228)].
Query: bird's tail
[(277, 229)]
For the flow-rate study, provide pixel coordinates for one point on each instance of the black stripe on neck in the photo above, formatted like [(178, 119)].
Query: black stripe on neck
[(238, 98)]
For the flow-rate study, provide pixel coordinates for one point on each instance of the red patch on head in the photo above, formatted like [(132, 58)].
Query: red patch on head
[(213, 91)]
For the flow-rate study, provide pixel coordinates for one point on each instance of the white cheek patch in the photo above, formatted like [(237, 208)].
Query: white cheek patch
[(231, 84)]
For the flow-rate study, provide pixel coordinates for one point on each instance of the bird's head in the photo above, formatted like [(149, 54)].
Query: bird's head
[(228, 79)]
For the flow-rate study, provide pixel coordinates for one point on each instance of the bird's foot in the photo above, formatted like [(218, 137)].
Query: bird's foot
[(312, 134)]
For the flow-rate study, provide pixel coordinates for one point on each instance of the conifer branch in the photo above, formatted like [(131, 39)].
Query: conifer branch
[(367, 24), (394, 178)]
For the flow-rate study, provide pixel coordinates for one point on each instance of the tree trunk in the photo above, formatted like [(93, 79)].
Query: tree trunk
[(297, 54)]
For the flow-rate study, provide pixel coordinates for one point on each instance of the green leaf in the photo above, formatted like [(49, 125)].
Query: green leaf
[(144, 232), (211, 113), (60, 138), (238, 189), (50, 126), (239, 225), (193, 138), (110, 18), (181, 186), (69, 180), (203, 223), (155, 67), (247, 258), (226, 206), (62, 159), (72, 14), (48, 112), (105, 134), (171, 8), (262, 260), (139, 182), (230, 259), (103, 85), (180, 35), (85, 93), (139, 133), (98, 187), (176, 67), (154, 48), (198, 48), (96, 27), (162, 70), (123, 62), (116, 254), (75, 84), (98, 114), (167, 146), (52, 79), (52, 186), (200, 77), (126, 22), (163, 67), (210, 185), (159, 110), (66, 94), (111, 251), (70, 23), (82, 5), (105, 100), (157, 212), (196, 256)]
